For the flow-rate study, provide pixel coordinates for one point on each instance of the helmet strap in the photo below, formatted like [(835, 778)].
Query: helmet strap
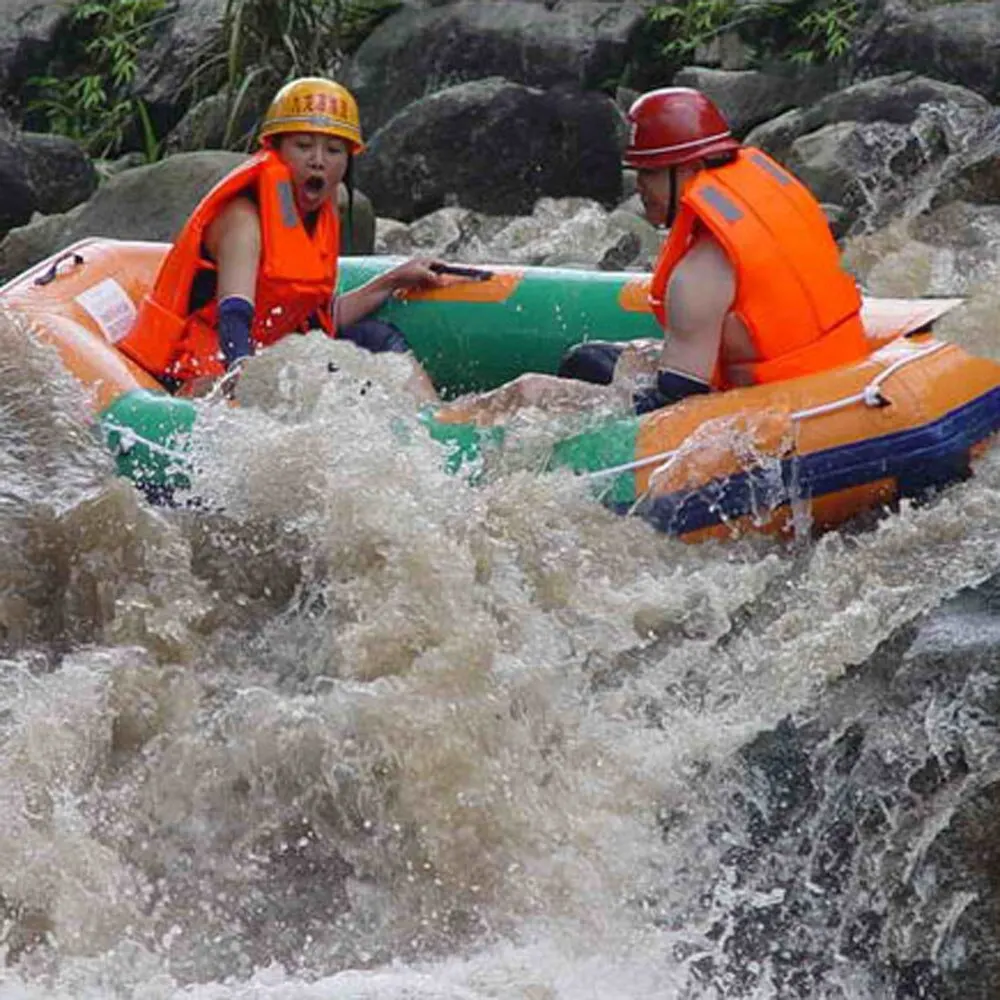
[(672, 203)]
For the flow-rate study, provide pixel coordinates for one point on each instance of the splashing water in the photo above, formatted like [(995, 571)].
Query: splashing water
[(357, 728)]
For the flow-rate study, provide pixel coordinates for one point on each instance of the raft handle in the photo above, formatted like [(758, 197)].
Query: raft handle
[(474, 273), (53, 272)]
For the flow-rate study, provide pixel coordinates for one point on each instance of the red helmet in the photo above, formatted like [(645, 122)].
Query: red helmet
[(673, 126)]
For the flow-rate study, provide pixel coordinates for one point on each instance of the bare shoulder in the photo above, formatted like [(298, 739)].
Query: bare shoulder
[(238, 219), (704, 270), (707, 251)]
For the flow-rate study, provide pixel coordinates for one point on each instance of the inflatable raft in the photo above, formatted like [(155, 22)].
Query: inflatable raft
[(816, 451)]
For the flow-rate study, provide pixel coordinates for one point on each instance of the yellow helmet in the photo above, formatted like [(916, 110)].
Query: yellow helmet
[(312, 104)]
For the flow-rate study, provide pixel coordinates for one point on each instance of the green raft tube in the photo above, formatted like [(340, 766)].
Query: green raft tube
[(470, 337)]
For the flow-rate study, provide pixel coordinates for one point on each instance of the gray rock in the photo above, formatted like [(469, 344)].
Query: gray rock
[(211, 124), (897, 100), (631, 221), (493, 146), (888, 147), (567, 232), (968, 236), (956, 42), (153, 202), (725, 51), (149, 203), (61, 174), (17, 196), (621, 254), (821, 159), (748, 98), (977, 179), (204, 126), (421, 50), (168, 67), (45, 173), (27, 31)]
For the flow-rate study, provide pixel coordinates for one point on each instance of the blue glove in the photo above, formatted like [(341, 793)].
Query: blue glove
[(235, 320)]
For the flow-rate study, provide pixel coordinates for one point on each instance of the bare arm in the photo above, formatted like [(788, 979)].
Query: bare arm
[(359, 302), (234, 241), (700, 295)]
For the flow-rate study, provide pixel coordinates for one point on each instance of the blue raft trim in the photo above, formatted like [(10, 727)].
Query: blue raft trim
[(920, 459)]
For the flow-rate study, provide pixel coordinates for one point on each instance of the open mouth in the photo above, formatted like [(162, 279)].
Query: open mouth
[(314, 185)]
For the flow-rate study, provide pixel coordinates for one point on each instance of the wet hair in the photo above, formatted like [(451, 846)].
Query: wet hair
[(349, 184)]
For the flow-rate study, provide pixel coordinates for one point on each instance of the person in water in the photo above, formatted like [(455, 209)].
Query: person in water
[(257, 260), (748, 287)]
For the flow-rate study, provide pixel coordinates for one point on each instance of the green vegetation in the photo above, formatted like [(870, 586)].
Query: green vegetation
[(801, 31), (89, 95), (93, 102), (265, 43)]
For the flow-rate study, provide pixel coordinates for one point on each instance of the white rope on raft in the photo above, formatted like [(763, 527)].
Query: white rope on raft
[(870, 396)]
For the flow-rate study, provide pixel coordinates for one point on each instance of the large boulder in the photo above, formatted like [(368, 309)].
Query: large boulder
[(976, 179), (886, 147), (147, 203), (955, 42), (150, 203), (496, 147), (17, 197), (174, 66), (27, 32), (61, 173), (420, 50), (750, 97), (212, 123), (40, 173), (205, 125)]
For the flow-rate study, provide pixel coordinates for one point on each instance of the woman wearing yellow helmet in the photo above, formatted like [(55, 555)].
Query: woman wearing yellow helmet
[(257, 260)]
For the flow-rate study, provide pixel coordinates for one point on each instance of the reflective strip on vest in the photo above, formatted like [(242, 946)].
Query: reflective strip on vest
[(286, 199), (771, 167), (721, 203)]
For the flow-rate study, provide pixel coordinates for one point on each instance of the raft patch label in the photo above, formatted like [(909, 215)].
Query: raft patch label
[(110, 306)]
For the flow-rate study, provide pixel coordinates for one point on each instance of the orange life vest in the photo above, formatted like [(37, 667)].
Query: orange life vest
[(295, 281), (801, 309)]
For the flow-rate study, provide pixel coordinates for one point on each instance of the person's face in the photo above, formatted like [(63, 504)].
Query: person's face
[(654, 189), (317, 164)]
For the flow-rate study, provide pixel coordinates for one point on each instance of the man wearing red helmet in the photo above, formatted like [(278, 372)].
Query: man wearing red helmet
[(748, 287)]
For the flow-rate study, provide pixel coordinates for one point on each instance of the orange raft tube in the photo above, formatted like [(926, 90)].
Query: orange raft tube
[(818, 450), (811, 453)]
